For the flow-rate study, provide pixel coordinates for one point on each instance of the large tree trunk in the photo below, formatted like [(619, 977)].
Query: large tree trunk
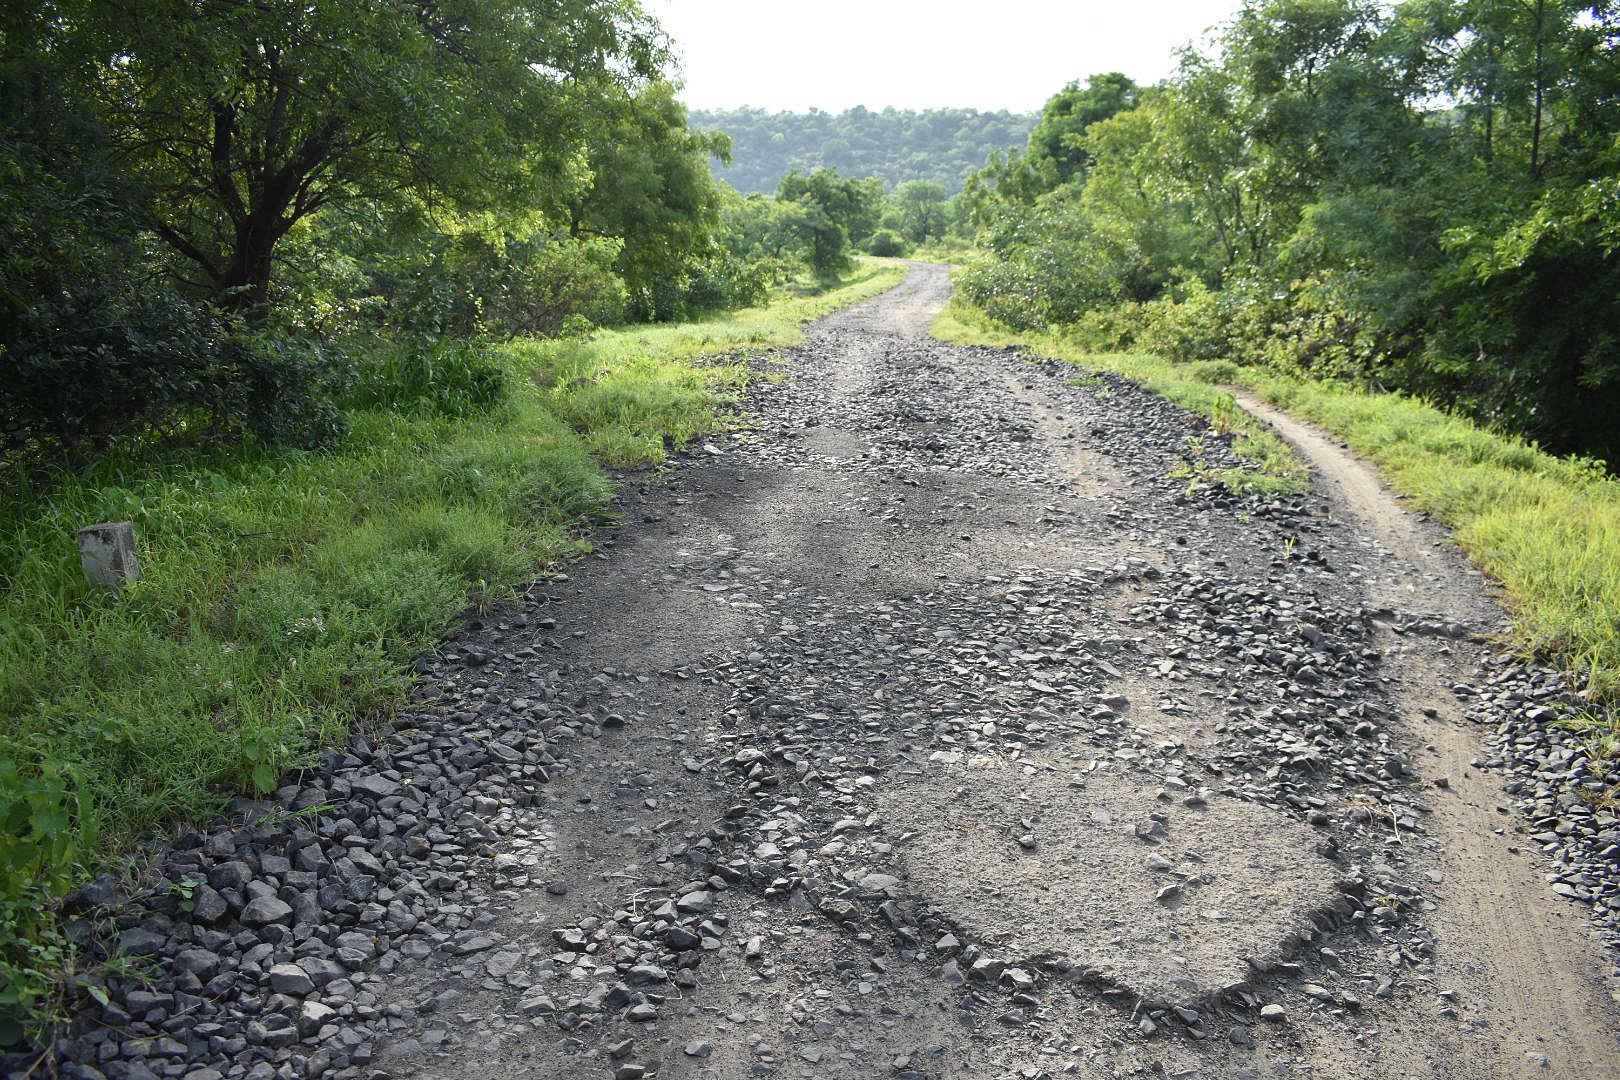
[(243, 287)]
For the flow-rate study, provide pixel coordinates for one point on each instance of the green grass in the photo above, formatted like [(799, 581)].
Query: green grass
[(1547, 528), (1273, 466), (945, 250), (284, 594)]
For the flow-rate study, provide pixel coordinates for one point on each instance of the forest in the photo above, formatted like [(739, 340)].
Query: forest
[(1422, 197), (940, 146)]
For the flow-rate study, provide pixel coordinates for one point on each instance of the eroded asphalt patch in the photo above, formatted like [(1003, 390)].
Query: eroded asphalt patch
[(927, 726)]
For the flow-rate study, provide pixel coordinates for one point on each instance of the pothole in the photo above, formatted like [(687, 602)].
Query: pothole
[(1169, 901)]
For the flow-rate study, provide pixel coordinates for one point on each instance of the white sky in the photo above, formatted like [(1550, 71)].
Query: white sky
[(917, 54)]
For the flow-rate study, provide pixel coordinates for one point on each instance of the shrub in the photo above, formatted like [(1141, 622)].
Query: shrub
[(87, 370), (886, 243), (725, 281), (468, 284)]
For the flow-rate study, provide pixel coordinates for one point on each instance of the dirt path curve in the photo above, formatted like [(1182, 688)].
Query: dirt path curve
[(925, 726), (1532, 948)]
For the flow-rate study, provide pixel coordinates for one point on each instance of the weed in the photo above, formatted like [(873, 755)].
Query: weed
[(185, 891)]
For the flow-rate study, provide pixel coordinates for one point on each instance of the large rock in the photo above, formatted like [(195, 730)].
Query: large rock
[(265, 911)]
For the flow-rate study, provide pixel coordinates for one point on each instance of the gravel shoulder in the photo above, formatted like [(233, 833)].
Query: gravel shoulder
[(920, 726)]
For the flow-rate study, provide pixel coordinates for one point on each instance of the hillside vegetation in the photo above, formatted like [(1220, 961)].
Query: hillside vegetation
[(941, 146), (1422, 196)]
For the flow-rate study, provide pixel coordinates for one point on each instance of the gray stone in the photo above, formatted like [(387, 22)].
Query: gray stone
[(267, 911), (200, 962), (379, 787), (312, 1016), (291, 979), (207, 905), (107, 553)]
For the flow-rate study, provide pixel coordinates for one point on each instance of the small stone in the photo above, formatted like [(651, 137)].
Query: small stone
[(199, 962), (698, 1048), (379, 787), (681, 939), (103, 892), (312, 1016), (1273, 1013), (539, 1005)]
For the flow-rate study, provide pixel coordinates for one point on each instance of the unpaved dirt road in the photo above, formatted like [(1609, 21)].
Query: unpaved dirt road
[(927, 726)]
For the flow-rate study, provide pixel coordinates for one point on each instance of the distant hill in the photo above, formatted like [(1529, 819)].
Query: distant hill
[(898, 145)]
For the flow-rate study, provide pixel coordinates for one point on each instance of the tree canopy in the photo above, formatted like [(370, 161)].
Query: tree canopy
[(235, 121), (1419, 195)]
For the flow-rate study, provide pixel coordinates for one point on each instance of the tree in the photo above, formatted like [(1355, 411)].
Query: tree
[(238, 120), (922, 208), (651, 185), (831, 211), (1058, 138)]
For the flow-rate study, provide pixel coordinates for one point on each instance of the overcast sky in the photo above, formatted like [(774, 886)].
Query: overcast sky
[(916, 54)]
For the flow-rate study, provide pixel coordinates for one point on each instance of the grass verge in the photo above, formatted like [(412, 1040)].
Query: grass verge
[(1547, 528), (284, 594)]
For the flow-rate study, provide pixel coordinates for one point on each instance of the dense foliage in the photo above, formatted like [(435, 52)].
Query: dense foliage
[(941, 146), (215, 218), (1421, 196)]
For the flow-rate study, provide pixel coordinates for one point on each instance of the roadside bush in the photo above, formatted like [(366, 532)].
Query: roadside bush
[(550, 282), (886, 243), (468, 284), (86, 371), (725, 281)]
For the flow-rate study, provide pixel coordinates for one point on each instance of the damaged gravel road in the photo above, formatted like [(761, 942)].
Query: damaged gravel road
[(924, 726)]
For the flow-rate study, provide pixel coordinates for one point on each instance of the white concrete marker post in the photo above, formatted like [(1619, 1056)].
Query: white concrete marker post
[(107, 552)]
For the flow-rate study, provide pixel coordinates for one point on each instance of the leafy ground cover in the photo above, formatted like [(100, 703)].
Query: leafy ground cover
[(284, 593)]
